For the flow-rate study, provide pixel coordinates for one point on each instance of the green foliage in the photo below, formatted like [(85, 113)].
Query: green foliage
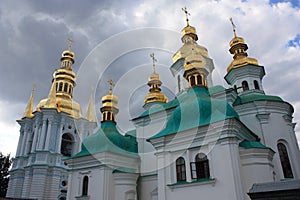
[(5, 162)]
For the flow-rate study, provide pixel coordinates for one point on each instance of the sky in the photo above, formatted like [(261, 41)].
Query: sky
[(113, 39)]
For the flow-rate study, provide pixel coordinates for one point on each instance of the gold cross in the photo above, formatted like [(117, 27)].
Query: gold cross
[(233, 26), (70, 42), (111, 83), (186, 15), (153, 60)]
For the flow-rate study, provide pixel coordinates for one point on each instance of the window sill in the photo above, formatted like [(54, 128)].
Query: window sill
[(84, 197), (195, 182)]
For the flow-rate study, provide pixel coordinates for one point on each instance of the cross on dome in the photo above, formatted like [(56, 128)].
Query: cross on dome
[(186, 15), (153, 60), (111, 85)]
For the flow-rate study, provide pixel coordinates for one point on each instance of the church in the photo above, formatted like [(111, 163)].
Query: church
[(228, 143)]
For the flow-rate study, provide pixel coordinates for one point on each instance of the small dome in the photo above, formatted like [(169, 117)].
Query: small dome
[(190, 30), (154, 76)]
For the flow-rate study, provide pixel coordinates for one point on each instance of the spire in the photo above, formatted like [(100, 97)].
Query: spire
[(51, 102), (238, 48), (109, 107), (90, 114), (188, 30), (29, 107), (154, 95)]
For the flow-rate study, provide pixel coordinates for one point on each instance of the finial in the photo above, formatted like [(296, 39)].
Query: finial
[(33, 87), (153, 60), (233, 26), (111, 83), (186, 15), (70, 39)]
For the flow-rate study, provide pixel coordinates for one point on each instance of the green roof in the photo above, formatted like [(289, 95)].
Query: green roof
[(252, 144), (246, 98), (216, 89), (160, 107), (196, 108), (107, 138)]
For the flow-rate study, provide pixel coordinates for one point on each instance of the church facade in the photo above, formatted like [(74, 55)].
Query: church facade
[(209, 141)]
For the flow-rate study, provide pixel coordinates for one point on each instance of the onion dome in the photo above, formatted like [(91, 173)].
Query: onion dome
[(61, 92), (238, 48), (154, 95), (109, 107)]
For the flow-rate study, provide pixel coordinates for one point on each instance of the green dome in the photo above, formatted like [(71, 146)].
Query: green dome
[(107, 138), (196, 108)]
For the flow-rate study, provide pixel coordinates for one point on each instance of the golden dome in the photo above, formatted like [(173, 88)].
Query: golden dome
[(191, 31), (194, 60), (153, 77), (236, 40), (68, 54), (110, 100), (155, 97), (63, 105)]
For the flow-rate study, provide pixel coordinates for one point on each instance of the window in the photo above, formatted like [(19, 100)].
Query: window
[(192, 81), (66, 87), (85, 186), (256, 86), (199, 80), (67, 144), (285, 161), (60, 86), (178, 80), (200, 168), (245, 85), (180, 169)]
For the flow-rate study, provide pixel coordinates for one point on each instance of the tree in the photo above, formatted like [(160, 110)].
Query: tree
[(5, 162)]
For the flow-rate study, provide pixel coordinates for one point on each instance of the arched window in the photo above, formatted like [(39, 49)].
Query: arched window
[(180, 169), (66, 87), (199, 80), (200, 168), (56, 86), (192, 81), (285, 161), (67, 144), (85, 186), (256, 86), (60, 86), (245, 85)]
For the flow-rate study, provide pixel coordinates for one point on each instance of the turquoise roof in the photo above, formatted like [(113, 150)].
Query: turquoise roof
[(216, 89), (196, 108), (246, 98), (107, 138), (252, 144), (160, 107)]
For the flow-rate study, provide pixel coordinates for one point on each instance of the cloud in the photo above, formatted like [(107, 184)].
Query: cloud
[(34, 33)]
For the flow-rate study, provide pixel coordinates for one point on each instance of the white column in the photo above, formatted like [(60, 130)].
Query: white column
[(58, 139), (23, 141), (42, 136), (34, 142), (20, 144), (187, 166), (47, 143)]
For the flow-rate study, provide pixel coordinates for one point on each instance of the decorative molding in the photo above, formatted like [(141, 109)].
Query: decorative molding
[(263, 117)]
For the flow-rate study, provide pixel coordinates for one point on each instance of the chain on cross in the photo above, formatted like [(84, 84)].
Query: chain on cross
[(153, 60), (186, 15)]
